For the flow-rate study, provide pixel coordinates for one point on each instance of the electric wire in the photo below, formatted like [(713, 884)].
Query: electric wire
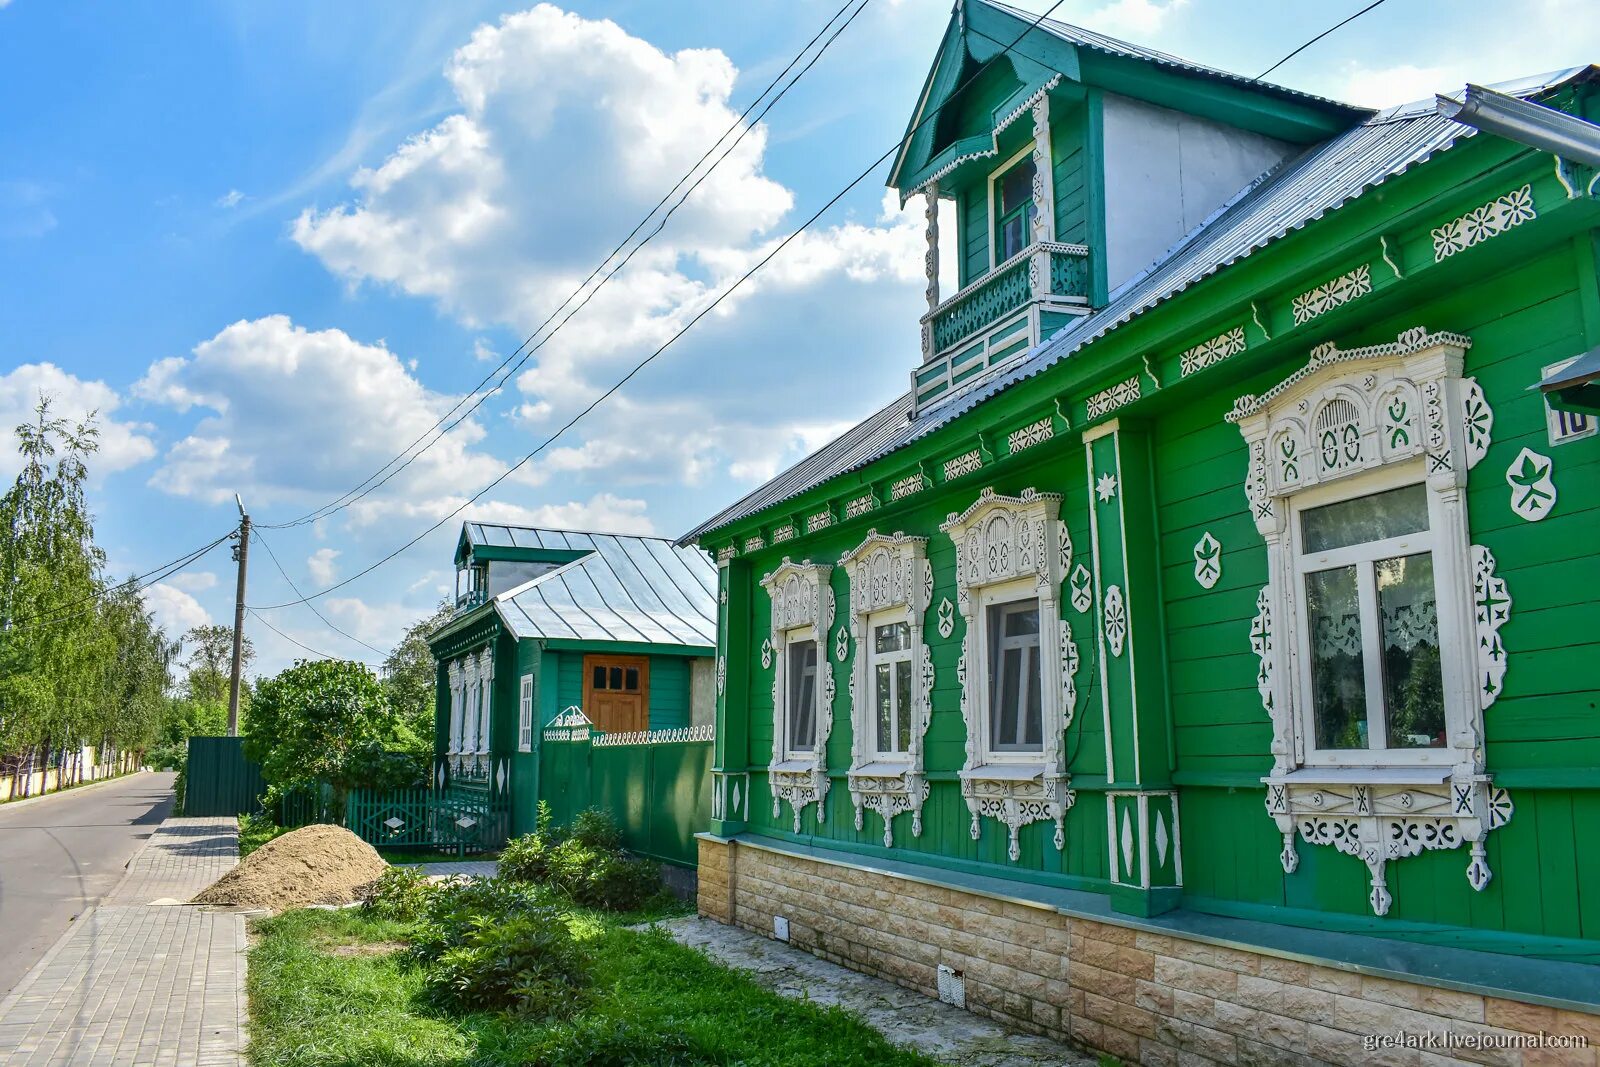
[(300, 644), (379, 477), (1317, 38), (259, 538), (702, 313)]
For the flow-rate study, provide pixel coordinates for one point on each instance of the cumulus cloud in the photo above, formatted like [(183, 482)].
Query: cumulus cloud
[(567, 130), (292, 417), (320, 565), (122, 444), (173, 609), (193, 581)]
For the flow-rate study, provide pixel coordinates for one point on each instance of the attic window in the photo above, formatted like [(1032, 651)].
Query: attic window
[(1013, 208)]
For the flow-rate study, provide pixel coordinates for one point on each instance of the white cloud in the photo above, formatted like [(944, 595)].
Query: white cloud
[(193, 581), (604, 512), (174, 610), (122, 444), (230, 199), (492, 213), (320, 565), (293, 417)]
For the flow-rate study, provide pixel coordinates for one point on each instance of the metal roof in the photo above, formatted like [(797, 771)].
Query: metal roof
[(635, 589), (1099, 42), (1295, 193)]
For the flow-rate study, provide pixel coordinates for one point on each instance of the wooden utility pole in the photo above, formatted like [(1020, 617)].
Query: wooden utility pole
[(241, 552)]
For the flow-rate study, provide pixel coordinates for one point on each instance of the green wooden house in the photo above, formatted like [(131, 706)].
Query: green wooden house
[(611, 632), (1199, 658)]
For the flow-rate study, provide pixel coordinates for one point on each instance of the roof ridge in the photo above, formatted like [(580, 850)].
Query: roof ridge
[(568, 530)]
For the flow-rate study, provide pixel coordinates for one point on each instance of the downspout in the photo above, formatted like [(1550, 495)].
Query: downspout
[(1544, 128)]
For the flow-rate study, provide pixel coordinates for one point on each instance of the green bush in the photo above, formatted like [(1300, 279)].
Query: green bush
[(596, 828), (526, 964), (526, 858), (606, 879), (400, 893), (451, 908)]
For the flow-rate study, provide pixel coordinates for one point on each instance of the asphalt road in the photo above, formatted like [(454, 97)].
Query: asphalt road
[(62, 853)]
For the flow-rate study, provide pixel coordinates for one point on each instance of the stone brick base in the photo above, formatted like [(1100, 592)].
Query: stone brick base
[(1147, 998)]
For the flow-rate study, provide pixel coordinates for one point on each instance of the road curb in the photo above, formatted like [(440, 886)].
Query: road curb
[(23, 802)]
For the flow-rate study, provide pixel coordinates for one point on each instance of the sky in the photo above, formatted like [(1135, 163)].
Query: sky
[(271, 245)]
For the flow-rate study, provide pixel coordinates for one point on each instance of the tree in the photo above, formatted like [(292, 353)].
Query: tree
[(210, 663), (410, 674), (323, 721)]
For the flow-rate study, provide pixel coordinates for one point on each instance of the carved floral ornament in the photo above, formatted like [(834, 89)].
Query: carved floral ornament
[(889, 578), (1349, 413), (1013, 543), (802, 609)]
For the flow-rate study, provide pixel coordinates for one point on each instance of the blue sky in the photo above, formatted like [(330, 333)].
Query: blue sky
[(272, 243)]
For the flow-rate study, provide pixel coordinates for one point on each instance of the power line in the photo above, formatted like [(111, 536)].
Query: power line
[(639, 366), (299, 644), (379, 477), (257, 535), (83, 605), (1317, 38)]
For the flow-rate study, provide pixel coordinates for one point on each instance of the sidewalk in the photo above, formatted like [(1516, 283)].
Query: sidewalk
[(141, 978)]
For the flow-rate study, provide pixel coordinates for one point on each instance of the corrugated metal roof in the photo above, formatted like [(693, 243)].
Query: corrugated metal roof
[(1285, 199), (1100, 42), (637, 589)]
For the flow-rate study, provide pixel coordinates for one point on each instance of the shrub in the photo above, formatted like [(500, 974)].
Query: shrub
[(527, 964), (597, 829), (606, 879), (400, 893), (526, 858), (451, 908)]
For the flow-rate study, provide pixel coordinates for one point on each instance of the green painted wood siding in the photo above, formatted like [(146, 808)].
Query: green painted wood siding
[(1068, 166), (1544, 721), (972, 231)]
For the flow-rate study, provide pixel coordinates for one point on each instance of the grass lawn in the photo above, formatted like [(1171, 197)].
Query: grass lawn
[(331, 988)]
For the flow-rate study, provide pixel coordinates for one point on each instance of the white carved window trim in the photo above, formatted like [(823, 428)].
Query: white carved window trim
[(802, 609), (1373, 805), (1008, 548), (485, 700), (890, 581), (456, 707), (525, 715)]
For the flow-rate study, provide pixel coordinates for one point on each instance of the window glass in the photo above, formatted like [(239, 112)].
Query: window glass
[(599, 678), (895, 637), (1413, 682), (1016, 712), (802, 696), (884, 690), (891, 685), (1368, 518), (1014, 203), (1338, 675), (632, 679), (615, 682)]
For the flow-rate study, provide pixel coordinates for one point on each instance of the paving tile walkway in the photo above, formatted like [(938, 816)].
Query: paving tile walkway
[(142, 979), (904, 1016), (473, 868)]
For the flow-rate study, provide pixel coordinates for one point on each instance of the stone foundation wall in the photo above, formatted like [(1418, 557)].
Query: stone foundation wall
[(1146, 998)]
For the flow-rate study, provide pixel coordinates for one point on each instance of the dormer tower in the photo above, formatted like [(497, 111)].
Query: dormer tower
[(1073, 160)]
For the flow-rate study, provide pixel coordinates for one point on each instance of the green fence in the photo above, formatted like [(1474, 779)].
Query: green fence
[(657, 784), (218, 780), (457, 818)]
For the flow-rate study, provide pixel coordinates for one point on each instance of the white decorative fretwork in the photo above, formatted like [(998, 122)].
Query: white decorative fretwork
[(1533, 489), (802, 609), (859, 506), (1116, 619), (1481, 223), (754, 544), (1345, 414), (888, 579), (1331, 294), (915, 482), (786, 532), (1120, 395), (946, 618), (1082, 585), (841, 643), (1211, 352), (766, 653), (672, 735), (1032, 434), (819, 520), (965, 463), (1207, 560), (1491, 608), (1478, 417), (1011, 544), (1105, 487)]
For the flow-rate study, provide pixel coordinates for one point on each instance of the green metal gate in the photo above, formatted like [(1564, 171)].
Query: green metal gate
[(218, 780)]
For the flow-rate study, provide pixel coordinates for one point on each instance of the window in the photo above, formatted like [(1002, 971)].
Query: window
[(525, 716), (802, 710), (1371, 623), (616, 692), (891, 687), (1016, 709), (1013, 209)]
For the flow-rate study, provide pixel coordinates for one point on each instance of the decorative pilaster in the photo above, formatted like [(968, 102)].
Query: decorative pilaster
[(1141, 805), (1044, 199), (730, 777), (930, 261)]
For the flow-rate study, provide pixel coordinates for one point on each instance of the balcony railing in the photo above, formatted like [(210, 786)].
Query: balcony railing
[(1052, 276)]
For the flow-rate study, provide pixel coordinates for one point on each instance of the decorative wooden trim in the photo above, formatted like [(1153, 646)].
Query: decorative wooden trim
[(962, 465), (1117, 396), (1331, 294), (1481, 223), (1210, 353), (1025, 437), (802, 600)]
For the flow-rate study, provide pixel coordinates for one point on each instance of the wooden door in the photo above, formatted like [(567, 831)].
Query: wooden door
[(616, 692)]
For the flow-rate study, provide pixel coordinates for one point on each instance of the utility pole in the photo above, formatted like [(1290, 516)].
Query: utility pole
[(241, 552)]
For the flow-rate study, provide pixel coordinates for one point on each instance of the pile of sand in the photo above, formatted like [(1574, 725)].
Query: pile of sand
[(312, 865)]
